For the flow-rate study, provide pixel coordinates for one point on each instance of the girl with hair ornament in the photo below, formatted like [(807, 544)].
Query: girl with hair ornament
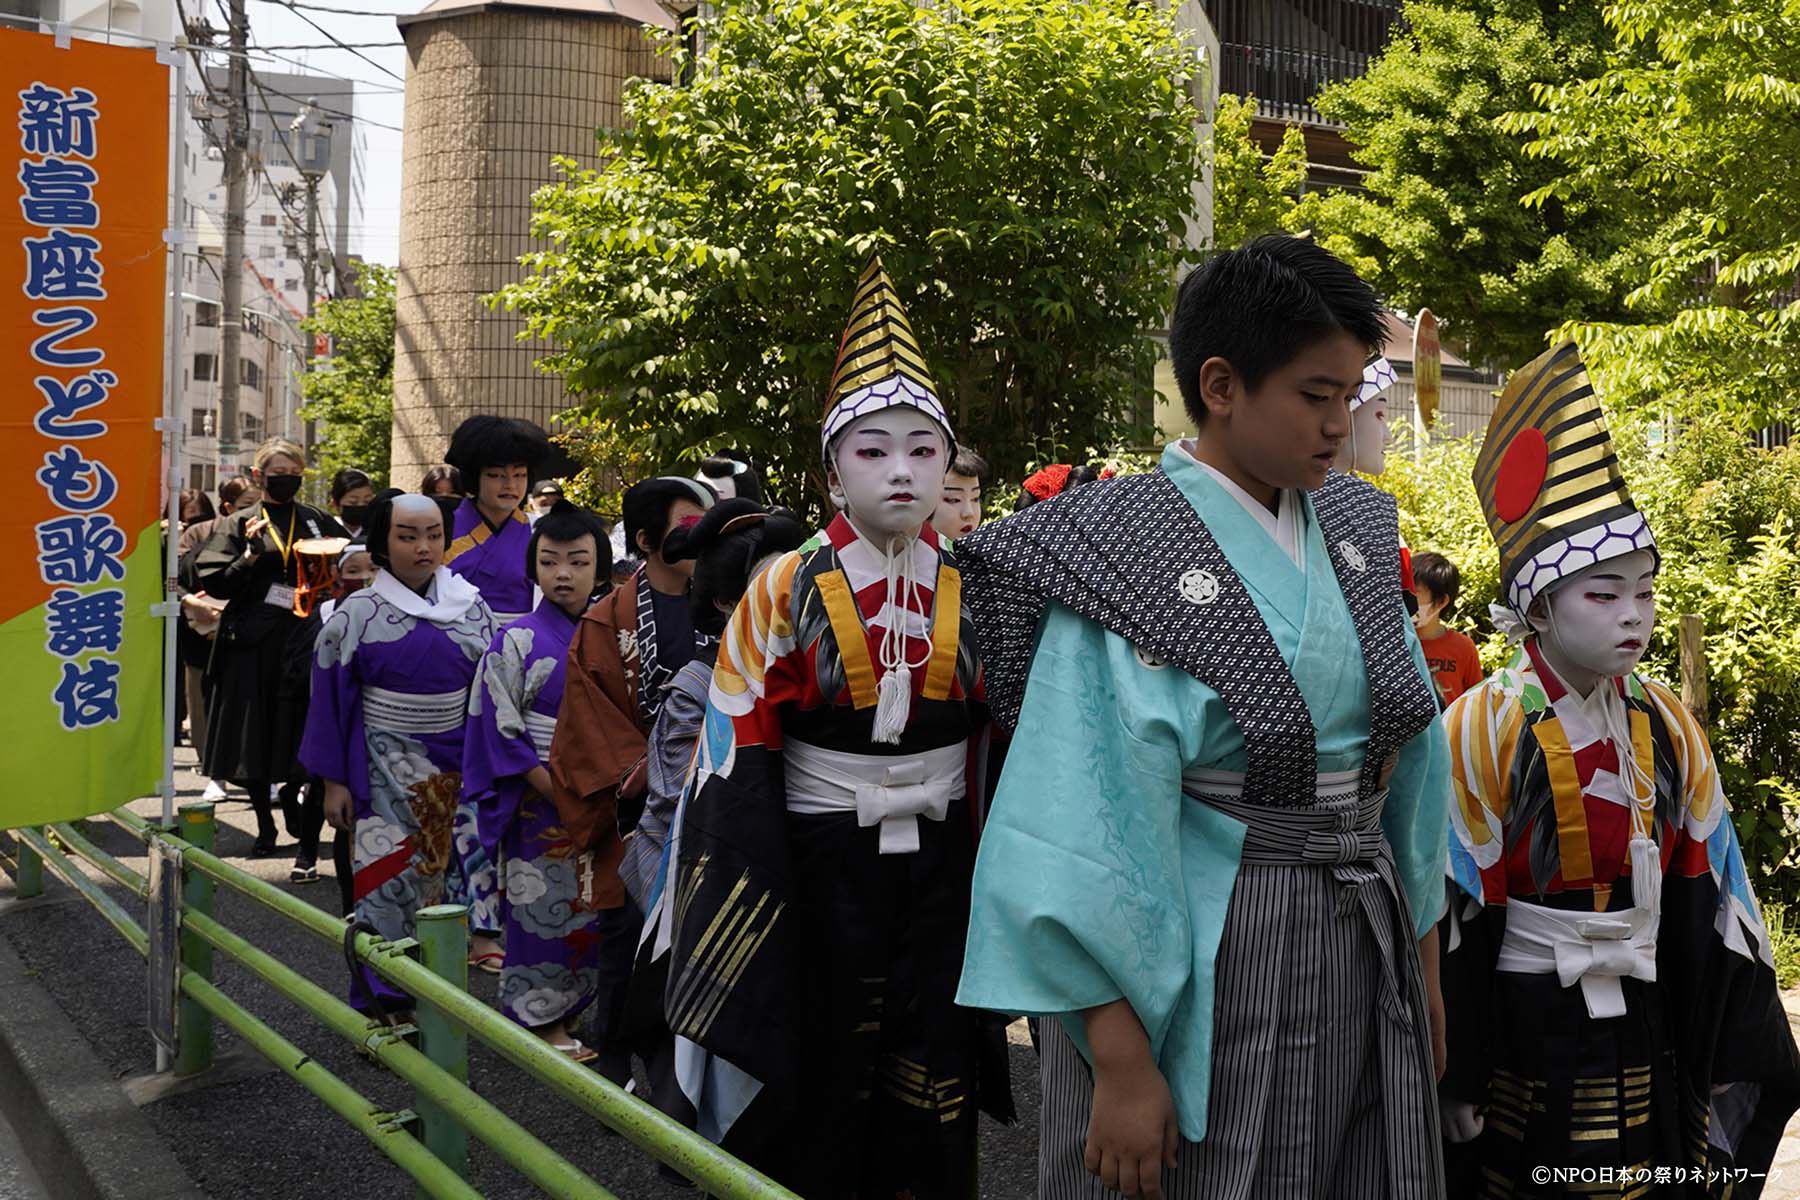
[(384, 729), (495, 459), (1608, 978), (829, 827)]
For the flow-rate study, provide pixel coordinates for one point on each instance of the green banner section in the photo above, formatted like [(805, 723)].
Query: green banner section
[(51, 772)]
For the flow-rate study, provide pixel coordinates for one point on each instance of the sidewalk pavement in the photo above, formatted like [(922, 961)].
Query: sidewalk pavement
[(257, 1133)]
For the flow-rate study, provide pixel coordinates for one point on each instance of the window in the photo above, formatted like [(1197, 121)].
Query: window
[(201, 425), (267, 250), (197, 477), (251, 374), (206, 367), (206, 313), (290, 285), (253, 324), (250, 427), (270, 219)]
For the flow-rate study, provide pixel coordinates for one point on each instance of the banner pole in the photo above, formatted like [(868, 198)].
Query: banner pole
[(172, 432), (170, 609)]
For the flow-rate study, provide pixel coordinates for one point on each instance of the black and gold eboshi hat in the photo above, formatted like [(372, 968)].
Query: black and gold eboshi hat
[(1549, 480), (879, 363)]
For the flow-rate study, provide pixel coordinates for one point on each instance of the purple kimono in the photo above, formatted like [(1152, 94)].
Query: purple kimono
[(493, 560), (551, 940), (391, 676)]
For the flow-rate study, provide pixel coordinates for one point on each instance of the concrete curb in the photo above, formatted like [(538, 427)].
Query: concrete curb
[(82, 1135)]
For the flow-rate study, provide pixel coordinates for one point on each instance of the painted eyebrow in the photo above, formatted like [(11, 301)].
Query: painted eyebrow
[(407, 525)]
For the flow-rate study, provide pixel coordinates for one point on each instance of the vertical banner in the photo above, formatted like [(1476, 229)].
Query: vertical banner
[(82, 309)]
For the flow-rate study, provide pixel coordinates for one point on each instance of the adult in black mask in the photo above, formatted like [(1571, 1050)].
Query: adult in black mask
[(351, 494), (249, 562)]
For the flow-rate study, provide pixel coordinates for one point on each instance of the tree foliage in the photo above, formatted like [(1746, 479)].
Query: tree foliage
[(1687, 141), (1440, 221), (351, 392), (1025, 171), (1253, 193)]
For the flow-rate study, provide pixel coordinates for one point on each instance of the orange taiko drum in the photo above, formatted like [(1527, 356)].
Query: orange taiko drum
[(317, 571)]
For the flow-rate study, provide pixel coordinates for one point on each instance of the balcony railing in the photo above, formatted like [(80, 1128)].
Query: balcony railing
[(1284, 52)]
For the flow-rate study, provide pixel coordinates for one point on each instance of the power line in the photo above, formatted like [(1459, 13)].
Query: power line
[(354, 48), (365, 84), (317, 107), (326, 8)]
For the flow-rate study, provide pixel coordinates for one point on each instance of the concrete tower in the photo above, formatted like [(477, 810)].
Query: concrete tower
[(494, 89)]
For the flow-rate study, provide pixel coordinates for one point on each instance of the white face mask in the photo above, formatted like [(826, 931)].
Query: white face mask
[(888, 471), (1366, 448), (1599, 620)]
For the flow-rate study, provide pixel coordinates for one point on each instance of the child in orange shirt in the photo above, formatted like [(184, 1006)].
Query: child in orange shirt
[(1455, 666)]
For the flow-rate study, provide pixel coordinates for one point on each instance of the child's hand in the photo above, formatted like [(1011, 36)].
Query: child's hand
[(1132, 1134), (340, 807)]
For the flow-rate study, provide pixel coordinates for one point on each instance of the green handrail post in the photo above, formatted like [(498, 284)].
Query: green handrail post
[(30, 879), (193, 1023), (443, 936)]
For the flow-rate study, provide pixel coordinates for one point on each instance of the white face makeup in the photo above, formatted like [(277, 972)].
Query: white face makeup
[(959, 511), (565, 571), (1599, 620), (888, 471), (1365, 450), (415, 540)]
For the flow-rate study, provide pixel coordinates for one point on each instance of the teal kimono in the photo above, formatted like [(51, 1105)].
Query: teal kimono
[(1100, 875)]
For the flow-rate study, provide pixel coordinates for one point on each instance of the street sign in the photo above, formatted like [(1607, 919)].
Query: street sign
[(162, 921)]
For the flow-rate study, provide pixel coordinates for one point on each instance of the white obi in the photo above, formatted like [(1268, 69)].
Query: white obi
[(1599, 949), (414, 712), (886, 790)]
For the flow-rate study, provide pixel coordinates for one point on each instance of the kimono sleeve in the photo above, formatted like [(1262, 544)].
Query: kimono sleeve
[(220, 568), (597, 739), (1416, 816), (331, 746), (1078, 896), (497, 748)]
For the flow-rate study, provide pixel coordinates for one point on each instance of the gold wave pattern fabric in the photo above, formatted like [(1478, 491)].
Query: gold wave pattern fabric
[(879, 363), (1549, 480)]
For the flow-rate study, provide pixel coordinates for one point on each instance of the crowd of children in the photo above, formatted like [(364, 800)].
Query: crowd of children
[(1300, 900)]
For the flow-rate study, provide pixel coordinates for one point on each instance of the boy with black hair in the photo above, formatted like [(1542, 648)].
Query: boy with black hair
[(1455, 663), (1215, 856)]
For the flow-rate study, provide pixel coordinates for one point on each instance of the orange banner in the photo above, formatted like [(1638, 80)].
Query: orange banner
[(82, 295)]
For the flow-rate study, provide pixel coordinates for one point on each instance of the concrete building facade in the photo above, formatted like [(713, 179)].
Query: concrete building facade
[(494, 91)]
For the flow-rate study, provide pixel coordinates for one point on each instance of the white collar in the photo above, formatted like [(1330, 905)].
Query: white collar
[(1283, 526), (450, 596)]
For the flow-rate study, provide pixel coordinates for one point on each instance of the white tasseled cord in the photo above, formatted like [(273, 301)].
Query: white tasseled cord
[(1646, 856), (893, 703)]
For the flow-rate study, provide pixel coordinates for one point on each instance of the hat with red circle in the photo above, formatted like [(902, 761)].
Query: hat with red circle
[(1549, 480)]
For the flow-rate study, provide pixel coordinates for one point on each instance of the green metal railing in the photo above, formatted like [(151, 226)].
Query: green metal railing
[(430, 1141)]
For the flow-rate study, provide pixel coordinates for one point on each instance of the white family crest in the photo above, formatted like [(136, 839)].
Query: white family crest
[(1199, 586)]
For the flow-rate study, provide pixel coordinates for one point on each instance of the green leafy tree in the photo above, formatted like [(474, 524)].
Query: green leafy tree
[(351, 392), (1686, 141), (1026, 173), (1253, 193), (1440, 221)]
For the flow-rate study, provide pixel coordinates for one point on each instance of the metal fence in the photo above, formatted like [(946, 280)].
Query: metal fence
[(1284, 52), (430, 1140)]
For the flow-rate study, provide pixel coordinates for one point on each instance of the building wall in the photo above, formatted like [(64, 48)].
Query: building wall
[(491, 97)]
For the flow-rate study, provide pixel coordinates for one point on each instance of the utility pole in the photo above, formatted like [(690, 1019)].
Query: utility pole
[(312, 276), (231, 308)]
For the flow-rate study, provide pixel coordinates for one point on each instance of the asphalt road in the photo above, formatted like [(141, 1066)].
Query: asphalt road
[(260, 1134), (17, 1180)]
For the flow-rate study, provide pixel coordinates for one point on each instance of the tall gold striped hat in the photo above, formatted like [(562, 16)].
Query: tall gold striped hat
[(1549, 481), (879, 363)]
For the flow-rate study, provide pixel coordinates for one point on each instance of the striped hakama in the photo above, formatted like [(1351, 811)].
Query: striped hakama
[(1323, 1082)]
